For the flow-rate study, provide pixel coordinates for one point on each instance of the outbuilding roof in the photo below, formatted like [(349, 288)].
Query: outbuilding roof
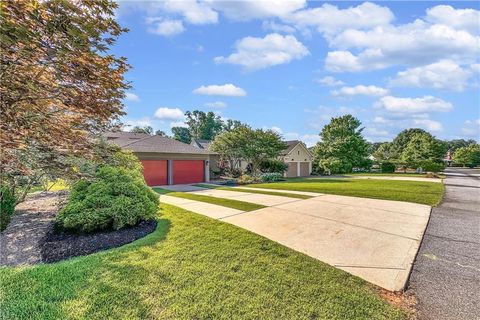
[(292, 144), (139, 142)]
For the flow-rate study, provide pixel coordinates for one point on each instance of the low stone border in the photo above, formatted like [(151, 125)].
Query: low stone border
[(60, 246)]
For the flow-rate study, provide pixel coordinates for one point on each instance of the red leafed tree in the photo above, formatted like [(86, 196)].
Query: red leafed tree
[(58, 81)]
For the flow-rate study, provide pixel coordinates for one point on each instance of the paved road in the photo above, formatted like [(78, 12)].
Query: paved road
[(446, 273)]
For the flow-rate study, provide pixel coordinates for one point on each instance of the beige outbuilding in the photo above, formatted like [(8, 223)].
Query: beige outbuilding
[(298, 158)]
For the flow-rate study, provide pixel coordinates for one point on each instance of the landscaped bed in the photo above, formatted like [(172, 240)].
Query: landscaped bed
[(56, 246), (412, 191), (191, 267)]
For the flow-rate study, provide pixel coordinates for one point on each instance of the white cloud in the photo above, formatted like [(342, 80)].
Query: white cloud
[(216, 104), (221, 90), (329, 81), (258, 9), (330, 19), (410, 44), (194, 12), (471, 128), (258, 53), (164, 113), (375, 134), (274, 128), (413, 105), (131, 97), (428, 124), (277, 27), (372, 91), (445, 74), (165, 27), (463, 19)]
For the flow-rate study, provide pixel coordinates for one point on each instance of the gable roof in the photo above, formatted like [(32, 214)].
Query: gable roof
[(292, 144), (201, 143), (153, 144)]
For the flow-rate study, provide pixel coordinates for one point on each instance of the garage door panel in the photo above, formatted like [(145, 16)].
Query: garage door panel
[(304, 169), (292, 170), (188, 171), (155, 172)]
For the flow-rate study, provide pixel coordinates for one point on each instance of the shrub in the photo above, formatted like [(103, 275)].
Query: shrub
[(246, 179), (114, 199), (273, 166), (7, 206), (271, 177), (387, 167), (431, 166)]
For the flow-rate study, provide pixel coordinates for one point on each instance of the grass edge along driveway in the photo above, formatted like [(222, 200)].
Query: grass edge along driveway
[(250, 190), (191, 267), (429, 193), (234, 204)]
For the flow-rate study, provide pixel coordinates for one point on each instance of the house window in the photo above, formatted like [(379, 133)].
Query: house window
[(298, 151)]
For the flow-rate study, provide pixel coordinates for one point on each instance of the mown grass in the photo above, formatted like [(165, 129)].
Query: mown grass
[(235, 204), (191, 267), (412, 191), (271, 193), (395, 174)]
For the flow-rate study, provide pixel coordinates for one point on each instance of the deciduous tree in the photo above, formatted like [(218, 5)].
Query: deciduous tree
[(182, 134)]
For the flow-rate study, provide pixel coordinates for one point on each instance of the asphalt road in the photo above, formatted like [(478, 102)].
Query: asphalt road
[(446, 274)]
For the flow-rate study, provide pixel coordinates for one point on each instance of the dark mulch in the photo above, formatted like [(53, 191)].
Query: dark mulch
[(59, 246)]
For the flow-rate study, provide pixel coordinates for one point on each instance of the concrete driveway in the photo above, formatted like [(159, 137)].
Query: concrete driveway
[(376, 240)]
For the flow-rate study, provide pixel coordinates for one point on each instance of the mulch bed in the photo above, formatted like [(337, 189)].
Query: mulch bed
[(59, 246)]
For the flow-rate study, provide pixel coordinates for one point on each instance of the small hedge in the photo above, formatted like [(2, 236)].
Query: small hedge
[(387, 167), (116, 198), (273, 165), (7, 206), (271, 177)]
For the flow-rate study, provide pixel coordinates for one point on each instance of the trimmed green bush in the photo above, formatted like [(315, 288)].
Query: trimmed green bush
[(273, 166), (116, 198), (431, 166), (7, 206), (387, 167)]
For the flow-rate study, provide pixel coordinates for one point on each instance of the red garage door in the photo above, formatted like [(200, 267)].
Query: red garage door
[(188, 171), (155, 172)]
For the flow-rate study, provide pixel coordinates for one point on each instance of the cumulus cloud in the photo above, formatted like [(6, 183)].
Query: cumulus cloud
[(463, 19), (130, 96), (329, 81), (259, 9), (445, 74), (164, 113), (277, 27), (410, 44), (165, 27), (372, 91), (221, 90), (376, 134), (428, 124), (142, 122), (194, 12), (216, 104), (257, 53), (329, 19), (413, 105)]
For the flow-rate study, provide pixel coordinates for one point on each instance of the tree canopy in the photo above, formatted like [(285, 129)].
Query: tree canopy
[(203, 125), (59, 83), (247, 144), (182, 134), (342, 145), (467, 156)]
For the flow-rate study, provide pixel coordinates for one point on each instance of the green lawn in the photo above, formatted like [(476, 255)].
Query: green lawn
[(272, 193), (191, 267), (235, 204), (396, 174), (412, 191)]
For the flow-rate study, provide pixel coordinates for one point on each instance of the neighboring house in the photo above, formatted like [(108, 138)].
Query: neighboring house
[(298, 158), (165, 161)]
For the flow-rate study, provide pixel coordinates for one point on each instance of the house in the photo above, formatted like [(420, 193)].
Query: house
[(298, 158), (165, 161)]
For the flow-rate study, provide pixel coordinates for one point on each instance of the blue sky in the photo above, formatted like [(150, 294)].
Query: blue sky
[(292, 65)]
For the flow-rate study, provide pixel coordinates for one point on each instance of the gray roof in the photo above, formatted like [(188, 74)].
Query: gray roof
[(201, 143), (139, 142), (290, 145)]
